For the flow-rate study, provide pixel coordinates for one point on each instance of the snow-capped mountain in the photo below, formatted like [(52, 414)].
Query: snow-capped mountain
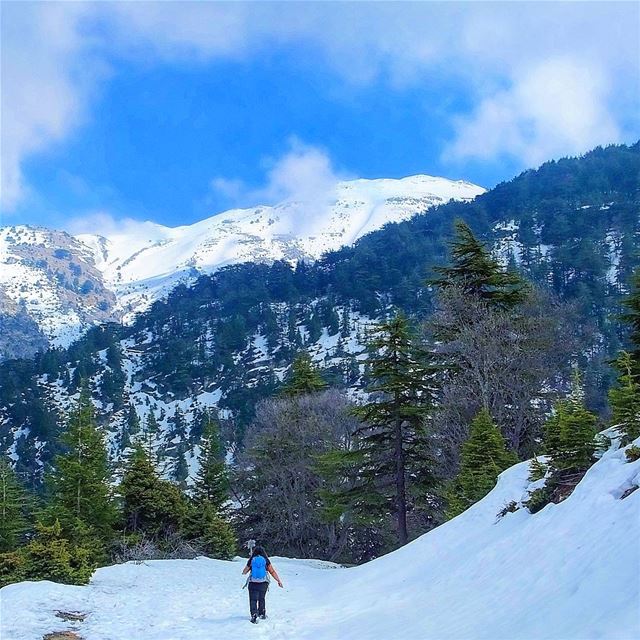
[(143, 265), (569, 571), (64, 284)]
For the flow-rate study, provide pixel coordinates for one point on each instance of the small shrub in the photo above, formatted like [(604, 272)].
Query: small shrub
[(12, 568), (510, 507), (50, 556), (537, 470), (632, 453), (538, 499)]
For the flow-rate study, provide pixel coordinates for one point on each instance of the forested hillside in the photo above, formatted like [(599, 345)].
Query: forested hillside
[(570, 227)]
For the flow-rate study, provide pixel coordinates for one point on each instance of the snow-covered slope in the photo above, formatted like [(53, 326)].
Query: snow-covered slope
[(568, 572), (66, 284), (143, 264), (50, 277)]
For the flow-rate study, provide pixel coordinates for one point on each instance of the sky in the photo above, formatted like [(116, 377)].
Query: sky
[(115, 112)]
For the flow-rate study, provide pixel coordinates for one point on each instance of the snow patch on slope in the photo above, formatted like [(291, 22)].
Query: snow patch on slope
[(144, 266), (569, 571)]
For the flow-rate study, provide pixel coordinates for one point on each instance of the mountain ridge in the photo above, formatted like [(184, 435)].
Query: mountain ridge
[(130, 268)]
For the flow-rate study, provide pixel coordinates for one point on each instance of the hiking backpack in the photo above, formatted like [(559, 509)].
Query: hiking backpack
[(258, 569)]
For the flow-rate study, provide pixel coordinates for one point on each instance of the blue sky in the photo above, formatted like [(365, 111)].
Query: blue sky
[(174, 111)]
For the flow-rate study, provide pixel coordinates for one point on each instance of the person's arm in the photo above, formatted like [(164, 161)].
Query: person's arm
[(247, 568), (274, 573)]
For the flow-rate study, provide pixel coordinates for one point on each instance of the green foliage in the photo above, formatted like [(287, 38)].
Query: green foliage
[(13, 509), (484, 456), (632, 453), (211, 482), (538, 499), (392, 441), (477, 272), (570, 433), (12, 567), (210, 531), (632, 318), (537, 470), (624, 399), (51, 556), (150, 505), (79, 482), (304, 377)]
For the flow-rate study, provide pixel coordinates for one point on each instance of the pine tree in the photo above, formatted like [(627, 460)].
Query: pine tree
[(632, 318), (483, 457), (570, 432), (150, 505), (392, 440), (80, 479), (50, 555), (477, 272), (149, 435), (304, 377), (13, 506), (211, 482), (625, 399), (207, 528)]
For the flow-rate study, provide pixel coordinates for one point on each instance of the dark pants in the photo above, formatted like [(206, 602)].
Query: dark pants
[(257, 593)]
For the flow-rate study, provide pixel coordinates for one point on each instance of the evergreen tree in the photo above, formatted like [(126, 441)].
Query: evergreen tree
[(392, 440), (13, 505), (477, 272), (210, 531), (570, 432), (484, 456), (632, 318), (150, 505), (50, 555), (211, 482), (625, 399), (180, 471), (150, 433), (80, 479), (304, 377)]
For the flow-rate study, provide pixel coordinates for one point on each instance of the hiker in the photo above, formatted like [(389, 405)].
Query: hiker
[(258, 565)]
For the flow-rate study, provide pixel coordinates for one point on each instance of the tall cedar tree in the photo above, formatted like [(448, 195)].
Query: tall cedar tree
[(625, 399), (632, 317), (392, 439), (151, 505), (477, 272), (484, 456), (81, 476), (211, 482), (570, 432), (303, 378), (13, 507)]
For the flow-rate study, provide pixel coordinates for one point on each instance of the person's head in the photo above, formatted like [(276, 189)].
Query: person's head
[(259, 551)]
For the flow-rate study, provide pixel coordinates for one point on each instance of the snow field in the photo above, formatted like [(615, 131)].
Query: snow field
[(571, 571)]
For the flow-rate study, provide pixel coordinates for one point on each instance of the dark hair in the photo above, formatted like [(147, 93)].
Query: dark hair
[(259, 551)]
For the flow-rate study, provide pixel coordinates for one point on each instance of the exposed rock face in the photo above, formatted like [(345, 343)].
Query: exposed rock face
[(50, 290)]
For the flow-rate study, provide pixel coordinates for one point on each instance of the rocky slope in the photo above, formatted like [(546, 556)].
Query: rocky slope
[(65, 284)]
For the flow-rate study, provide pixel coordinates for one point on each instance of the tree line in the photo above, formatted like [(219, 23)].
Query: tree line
[(449, 400)]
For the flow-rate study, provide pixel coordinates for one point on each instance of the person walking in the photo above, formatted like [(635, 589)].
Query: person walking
[(259, 567)]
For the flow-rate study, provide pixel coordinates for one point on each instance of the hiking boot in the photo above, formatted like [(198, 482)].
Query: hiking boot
[(263, 616), (254, 618)]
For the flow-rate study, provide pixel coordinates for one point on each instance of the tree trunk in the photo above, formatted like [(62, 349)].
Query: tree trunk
[(401, 502)]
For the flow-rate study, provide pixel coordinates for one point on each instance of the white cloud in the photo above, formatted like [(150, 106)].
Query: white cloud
[(46, 83), (303, 175), (55, 55), (103, 223), (558, 107)]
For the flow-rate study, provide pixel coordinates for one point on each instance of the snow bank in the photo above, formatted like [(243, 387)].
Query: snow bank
[(569, 571)]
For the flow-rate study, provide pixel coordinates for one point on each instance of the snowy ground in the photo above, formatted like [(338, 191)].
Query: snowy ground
[(570, 571)]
